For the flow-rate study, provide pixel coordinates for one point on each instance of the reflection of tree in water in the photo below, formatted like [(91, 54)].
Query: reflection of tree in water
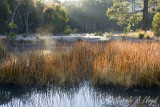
[(100, 96), (8, 93)]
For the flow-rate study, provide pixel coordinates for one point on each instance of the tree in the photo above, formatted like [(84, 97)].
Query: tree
[(25, 11), (4, 16), (122, 12), (89, 15), (145, 15), (117, 8), (156, 24), (56, 16), (14, 6)]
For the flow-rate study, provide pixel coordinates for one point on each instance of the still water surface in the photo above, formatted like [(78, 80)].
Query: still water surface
[(80, 96)]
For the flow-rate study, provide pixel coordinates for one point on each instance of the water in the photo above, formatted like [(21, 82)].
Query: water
[(80, 96)]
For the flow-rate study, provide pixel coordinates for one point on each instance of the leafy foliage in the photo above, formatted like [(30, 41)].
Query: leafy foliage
[(120, 11), (11, 36), (98, 34), (4, 15), (67, 30), (88, 16), (141, 35), (56, 16), (156, 24), (12, 25)]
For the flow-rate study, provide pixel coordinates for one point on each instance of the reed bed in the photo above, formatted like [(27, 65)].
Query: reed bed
[(3, 50), (124, 63)]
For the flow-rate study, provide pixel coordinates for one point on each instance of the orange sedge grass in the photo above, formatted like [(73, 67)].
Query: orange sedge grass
[(123, 63), (3, 50)]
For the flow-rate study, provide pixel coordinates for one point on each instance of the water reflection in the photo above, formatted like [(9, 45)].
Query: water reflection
[(79, 96)]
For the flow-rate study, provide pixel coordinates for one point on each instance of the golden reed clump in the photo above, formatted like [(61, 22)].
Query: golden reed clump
[(121, 63)]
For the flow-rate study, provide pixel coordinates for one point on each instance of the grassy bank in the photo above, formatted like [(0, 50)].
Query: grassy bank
[(121, 63)]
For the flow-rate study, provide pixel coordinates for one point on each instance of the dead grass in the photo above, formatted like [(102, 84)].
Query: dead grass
[(147, 34), (118, 63), (3, 50)]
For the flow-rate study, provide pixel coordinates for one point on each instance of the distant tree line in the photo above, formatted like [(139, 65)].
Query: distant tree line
[(142, 12), (90, 15), (111, 15), (29, 16), (82, 16)]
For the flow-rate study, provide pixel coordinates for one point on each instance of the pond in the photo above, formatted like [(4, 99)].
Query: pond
[(79, 96), (83, 95)]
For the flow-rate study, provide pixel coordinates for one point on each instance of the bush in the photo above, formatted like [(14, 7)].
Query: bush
[(98, 34), (11, 36), (128, 29), (12, 25), (75, 30), (141, 35), (148, 37), (67, 30), (156, 24), (24, 35)]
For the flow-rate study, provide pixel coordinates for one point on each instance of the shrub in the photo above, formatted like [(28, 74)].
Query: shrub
[(98, 34), (67, 30), (156, 24), (148, 37), (128, 29), (75, 30), (141, 35), (24, 35), (11, 36), (12, 25)]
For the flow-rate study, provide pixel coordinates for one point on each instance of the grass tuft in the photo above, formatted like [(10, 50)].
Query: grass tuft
[(121, 63)]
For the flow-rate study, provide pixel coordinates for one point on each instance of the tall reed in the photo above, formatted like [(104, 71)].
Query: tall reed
[(118, 63)]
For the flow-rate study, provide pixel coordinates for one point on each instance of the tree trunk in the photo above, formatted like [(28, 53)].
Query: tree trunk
[(145, 14), (26, 24), (134, 3), (94, 27), (86, 27), (81, 27), (104, 26), (27, 29), (13, 16), (15, 8)]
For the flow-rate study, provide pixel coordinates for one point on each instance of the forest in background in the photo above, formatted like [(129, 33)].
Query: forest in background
[(82, 16)]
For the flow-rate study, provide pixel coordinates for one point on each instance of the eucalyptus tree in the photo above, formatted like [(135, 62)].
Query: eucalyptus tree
[(26, 9), (14, 5), (88, 15), (124, 14), (56, 16), (121, 11)]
